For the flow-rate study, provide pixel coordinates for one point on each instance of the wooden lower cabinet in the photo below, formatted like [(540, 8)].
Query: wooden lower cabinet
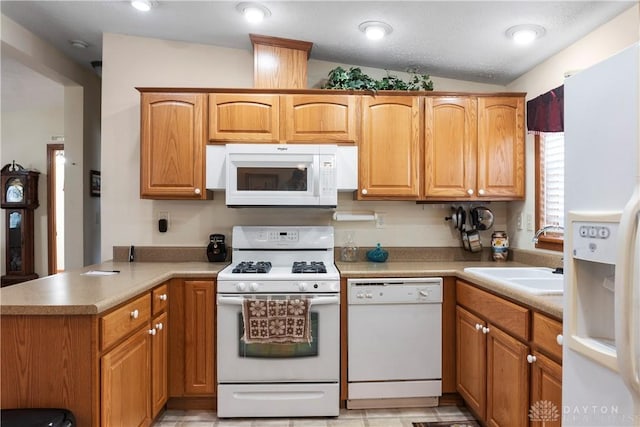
[(546, 391), (471, 361), (504, 373), (199, 363), (125, 378), (192, 380), (492, 371), (159, 359), (507, 379)]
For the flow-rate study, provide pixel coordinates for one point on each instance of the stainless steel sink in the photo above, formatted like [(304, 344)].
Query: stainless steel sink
[(535, 280)]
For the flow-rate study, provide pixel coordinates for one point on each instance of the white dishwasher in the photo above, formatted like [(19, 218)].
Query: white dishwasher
[(394, 342)]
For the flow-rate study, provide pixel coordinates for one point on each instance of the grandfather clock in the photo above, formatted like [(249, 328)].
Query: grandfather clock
[(19, 199)]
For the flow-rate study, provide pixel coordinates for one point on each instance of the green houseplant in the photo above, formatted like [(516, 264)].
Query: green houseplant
[(355, 79)]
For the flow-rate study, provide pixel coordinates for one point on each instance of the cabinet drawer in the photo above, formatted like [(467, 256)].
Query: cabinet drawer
[(122, 321), (509, 316), (545, 334), (160, 299)]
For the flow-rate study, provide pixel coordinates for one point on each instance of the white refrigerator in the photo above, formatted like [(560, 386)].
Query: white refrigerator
[(601, 257)]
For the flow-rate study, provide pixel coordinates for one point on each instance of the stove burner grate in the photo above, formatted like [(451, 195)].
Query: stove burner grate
[(304, 267), (252, 267)]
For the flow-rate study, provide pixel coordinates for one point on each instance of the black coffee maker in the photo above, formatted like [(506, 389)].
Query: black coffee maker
[(216, 250)]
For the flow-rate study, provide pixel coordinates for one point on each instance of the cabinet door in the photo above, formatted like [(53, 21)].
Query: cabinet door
[(500, 148), (125, 391), (173, 143), (159, 355), (235, 117), (450, 147), (471, 360), (199, 349), (507, 380), (390, 148), (546, 392), (319, 118)]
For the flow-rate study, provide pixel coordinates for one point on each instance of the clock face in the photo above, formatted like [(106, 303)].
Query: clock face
[(15, 191)]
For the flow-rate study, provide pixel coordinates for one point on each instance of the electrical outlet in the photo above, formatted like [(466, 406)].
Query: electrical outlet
[(163, 221), (529, 222), (380, 220), (519, 221)]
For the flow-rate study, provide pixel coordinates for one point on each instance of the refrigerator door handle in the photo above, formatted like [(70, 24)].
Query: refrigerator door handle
[(627, 298)]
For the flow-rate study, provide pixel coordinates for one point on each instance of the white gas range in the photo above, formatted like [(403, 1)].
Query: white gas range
[(274, 373)]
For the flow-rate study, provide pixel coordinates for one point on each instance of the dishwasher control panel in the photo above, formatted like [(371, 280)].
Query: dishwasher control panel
[(395, 291)]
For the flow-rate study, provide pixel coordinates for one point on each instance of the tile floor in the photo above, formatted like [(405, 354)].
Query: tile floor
[(347, 418)]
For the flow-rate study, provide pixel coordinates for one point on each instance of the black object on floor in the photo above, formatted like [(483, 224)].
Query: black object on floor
[(37, 417), (447, 424)]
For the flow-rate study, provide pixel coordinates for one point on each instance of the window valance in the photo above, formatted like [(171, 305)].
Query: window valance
[(545, 113)]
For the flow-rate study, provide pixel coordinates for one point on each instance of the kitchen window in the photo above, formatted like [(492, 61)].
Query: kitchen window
[(550, 188)]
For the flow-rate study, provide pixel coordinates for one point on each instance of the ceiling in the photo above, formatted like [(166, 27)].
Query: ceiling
[(453, 39)]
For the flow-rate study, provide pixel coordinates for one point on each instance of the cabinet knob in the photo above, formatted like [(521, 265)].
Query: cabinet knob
[(485, 330), (470, 191), (197, 191), (364, 191), (135, 314), (152, 331), (478, 326), (163, 297), (531, 358), (159, 326), (559, 339), (481, 192)]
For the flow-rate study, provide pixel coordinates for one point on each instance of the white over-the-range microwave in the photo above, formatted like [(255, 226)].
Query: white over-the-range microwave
[(282, 174)]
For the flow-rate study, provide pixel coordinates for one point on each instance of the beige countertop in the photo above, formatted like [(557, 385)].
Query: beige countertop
[(548, 304), (77, 294), (74, 293)]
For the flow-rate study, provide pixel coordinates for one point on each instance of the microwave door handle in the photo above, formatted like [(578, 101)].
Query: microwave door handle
[(315, 172)]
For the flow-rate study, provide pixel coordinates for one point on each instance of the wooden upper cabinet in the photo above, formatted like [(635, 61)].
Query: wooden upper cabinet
[(501, 173), (235, 117), (319, 118), (173, 139), (390, 148), (474, 148), (450, 143)]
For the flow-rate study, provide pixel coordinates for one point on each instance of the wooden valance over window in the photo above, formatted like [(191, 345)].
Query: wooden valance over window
[(545, 113)]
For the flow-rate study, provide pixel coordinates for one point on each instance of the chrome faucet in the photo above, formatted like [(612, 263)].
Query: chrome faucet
[(545, 229)]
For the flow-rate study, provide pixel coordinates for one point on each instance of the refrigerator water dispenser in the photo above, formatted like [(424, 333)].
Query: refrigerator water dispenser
[(589, 284)]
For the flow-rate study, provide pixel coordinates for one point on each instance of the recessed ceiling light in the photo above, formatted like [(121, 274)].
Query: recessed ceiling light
[(80, 44), (253, 12), (143, 5), (525, 34), (375, 30)]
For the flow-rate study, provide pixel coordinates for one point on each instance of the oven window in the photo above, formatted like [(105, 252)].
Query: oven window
[(279, 350), (272, 179)]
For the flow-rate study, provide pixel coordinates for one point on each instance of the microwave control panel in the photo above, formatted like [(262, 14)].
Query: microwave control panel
[(595, 241)]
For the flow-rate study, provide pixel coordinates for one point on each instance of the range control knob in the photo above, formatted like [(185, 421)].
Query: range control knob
[(253, 286), (241, 286), (303, 286)]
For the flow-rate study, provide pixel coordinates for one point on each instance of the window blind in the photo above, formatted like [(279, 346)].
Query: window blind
[(552, 182)]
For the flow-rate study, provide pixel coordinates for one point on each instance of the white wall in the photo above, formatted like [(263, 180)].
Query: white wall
[(81, 131), (25, 135), (130, 62), (603, 42)]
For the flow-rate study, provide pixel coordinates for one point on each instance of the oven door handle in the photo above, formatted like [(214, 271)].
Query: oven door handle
[(316, 300)]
